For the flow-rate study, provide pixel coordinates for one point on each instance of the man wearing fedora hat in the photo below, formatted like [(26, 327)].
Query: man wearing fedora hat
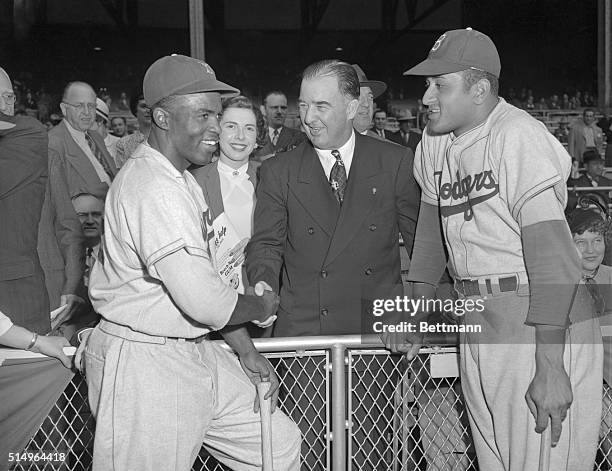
[(157, 385), (369, 90), (406, 136), (493, 192)]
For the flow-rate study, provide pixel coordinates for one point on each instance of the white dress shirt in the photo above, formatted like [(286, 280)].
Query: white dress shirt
[(346, 153)]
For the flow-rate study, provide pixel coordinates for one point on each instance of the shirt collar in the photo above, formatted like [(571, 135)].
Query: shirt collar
[(150, 152), (75, 133), (226, 169), (346, 150)]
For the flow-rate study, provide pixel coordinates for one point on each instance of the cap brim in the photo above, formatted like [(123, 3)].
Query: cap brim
[(6, 125), (207, 86), (377, 87), (432, 67)]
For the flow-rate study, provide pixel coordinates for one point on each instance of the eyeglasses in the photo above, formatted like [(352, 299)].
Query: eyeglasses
[(9, 97), (91, 107)]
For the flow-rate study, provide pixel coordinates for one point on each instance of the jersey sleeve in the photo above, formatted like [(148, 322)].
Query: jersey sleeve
[(530, 160), (424, 171), (163, 222)]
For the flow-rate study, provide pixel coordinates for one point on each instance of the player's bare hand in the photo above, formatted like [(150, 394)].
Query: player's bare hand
[(260, 288), (549, 396), (403, 342), (258, 369), (270, 302), (53, 346)]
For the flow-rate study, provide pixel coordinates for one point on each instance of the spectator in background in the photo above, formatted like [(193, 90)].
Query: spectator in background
[(118, 126), (593, 177), (90, 211), (407, 136), (554, 103), (123, 102), (23, 177), (605, 123), (128, 144), (584, 135), (229, 187), (368, 91), (100, 126), (380, 121), (562, 132), (280, 138), (565, 102)]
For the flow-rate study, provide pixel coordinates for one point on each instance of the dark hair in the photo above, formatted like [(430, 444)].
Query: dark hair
[(134, 99), (348, 82), (582, 220), (378, 110), (587, 110), (472, 76), (273, 92), (119, 117)]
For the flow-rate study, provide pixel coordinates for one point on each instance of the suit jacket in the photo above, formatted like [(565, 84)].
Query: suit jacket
[(76, 166), (413, 139), (371, 133), (576, 144), (330, 257), (23, 178), (287, 140)]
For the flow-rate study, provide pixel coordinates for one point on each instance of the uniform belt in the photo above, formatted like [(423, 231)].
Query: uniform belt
[(484, 287), (127, 333)]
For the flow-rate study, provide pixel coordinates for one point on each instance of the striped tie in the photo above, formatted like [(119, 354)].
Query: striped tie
[(99, 156), (275, 136), (337, 177)]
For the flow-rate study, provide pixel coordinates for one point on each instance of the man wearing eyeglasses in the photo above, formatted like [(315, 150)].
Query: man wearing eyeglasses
[(81, 153)]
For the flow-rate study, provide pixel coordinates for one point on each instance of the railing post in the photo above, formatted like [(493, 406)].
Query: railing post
[(339, 458)]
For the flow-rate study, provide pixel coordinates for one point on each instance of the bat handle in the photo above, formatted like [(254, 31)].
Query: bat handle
[(266, 425), (545, 450)]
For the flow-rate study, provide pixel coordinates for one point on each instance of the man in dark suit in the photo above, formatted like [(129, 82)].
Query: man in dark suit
[(406, 136), (327, 221), (279, 137), (341, 239), (380, 121), (23, 176), (593, 177)]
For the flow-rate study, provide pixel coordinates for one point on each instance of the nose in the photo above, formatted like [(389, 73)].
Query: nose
[(213, 125), (90, 218), (309, 114), (239, 132), (428, 96)]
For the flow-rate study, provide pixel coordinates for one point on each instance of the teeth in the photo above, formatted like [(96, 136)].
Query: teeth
[(209, 142)]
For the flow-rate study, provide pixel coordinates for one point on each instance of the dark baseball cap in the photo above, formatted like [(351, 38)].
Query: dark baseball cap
[(181, 75), (457, 50), (377, 87)]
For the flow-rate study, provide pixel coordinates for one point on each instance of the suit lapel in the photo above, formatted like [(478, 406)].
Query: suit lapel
[(359, 198), (283, 139), (314, 193), (77, 158)]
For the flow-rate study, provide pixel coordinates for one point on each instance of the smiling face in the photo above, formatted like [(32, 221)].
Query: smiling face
[(118, 127), (592, 247), (193, 129), (238, 136), (365, 111), (327, 114), (450, 105)]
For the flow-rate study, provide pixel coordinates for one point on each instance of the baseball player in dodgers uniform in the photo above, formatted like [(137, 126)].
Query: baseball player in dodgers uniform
[(495, 178), (157, 387)]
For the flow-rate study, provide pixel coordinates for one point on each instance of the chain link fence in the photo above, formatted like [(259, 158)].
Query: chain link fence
[(399, 416)]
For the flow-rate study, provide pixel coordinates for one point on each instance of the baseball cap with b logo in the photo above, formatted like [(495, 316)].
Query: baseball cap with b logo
[(458, 50)]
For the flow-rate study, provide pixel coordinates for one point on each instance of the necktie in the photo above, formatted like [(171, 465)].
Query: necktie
[(275, 136), (99, 156), (337, 177), (593, 289)]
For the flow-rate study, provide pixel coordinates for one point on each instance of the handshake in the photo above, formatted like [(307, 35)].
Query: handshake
[(258, 305)]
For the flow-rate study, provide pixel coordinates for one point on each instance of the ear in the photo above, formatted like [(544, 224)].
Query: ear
[(351, 108), (161, 118), (63, 108), (262, 108), (481, 90)]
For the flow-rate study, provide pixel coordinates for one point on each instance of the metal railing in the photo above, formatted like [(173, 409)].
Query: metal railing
[(358, 407)]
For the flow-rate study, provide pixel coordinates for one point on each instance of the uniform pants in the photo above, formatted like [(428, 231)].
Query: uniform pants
[(156, 404), (496, 370)]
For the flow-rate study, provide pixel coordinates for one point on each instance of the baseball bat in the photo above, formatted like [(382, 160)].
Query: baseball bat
[(266, 425), (545, 450)]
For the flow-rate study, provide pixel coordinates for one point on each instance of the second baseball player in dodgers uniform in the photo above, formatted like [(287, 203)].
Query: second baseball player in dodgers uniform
[(495, 179)]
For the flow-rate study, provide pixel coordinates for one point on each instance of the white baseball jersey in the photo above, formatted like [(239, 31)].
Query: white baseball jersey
[(481, 180), (153, 210)]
